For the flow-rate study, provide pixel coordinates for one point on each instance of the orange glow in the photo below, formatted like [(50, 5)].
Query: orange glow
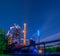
[(40, 51), (24, 33), (10, 40)]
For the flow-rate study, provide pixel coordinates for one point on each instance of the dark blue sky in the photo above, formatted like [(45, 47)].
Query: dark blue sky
[(38, 14)]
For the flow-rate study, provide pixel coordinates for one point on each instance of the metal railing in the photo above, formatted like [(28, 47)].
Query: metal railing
[(42, 43)]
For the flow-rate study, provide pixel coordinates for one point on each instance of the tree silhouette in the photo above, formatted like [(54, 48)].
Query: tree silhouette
[(2, 40)]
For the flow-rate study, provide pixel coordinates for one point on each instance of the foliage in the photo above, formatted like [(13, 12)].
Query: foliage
[(2, 40), (2, 31)]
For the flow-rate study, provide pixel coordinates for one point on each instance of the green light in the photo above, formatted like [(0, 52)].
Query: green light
[(51, 49)]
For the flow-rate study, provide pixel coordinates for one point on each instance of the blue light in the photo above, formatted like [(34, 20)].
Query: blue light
[(34, 50), (38, 33)]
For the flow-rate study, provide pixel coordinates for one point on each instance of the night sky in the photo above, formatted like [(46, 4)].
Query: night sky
[(38, 14)]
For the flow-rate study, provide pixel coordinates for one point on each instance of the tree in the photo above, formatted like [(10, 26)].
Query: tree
[(2, 40)]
